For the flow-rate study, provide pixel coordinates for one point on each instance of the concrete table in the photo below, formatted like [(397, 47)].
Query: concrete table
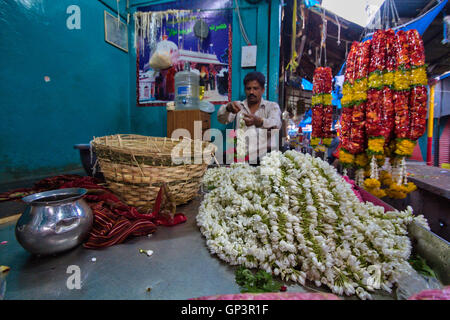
[(432, 199)]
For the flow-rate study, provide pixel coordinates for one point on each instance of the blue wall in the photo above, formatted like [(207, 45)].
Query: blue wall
[(92, 87), (87, 95)]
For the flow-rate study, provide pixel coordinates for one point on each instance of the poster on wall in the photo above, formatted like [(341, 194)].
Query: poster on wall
[(171, 36)]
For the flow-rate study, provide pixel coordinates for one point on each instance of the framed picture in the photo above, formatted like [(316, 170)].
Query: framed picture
[(116, 32), (196, 34)]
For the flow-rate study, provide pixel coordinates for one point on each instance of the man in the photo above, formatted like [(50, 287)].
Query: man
[(260, 116), (334, 144)]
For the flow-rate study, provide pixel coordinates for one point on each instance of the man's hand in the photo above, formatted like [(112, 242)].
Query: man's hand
[(251, 119), (233, 107)]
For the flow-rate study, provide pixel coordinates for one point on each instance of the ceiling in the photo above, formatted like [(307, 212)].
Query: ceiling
[(437, 54)]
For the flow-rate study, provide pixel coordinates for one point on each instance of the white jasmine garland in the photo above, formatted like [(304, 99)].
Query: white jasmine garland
[(241, 145), (295, 216)]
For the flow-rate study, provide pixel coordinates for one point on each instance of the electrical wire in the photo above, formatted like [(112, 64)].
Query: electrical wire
[(241, 26)]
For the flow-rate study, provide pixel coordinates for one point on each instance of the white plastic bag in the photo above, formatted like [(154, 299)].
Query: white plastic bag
[(165, 55), (412, 283)]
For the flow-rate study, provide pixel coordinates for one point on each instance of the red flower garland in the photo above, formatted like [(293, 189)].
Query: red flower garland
[(418, 111), (363, 60), (357, 132), (350, 71), (374, 113), (391, 60), (416, 48), (388, 115), (401, 103), (378, 52), (322, 113), (402, 50)]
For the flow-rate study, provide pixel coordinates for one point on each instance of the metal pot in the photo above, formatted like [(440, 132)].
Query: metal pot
[(54, 221)]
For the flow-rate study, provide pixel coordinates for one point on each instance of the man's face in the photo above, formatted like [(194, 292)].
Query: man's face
[(253, 91)]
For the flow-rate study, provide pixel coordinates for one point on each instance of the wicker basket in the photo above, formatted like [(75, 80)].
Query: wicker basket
[(136, 166)]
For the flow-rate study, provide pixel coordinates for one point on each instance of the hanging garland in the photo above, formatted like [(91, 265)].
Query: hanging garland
[(384, 110), (346, 157), (403, 146), (374, 112), (322, 112), (358, 131), (411, 105)]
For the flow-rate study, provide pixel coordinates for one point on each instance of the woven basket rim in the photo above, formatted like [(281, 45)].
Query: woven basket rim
[(157, 146)]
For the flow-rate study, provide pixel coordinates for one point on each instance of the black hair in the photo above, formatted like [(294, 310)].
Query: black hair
[(334, 132), (255, 75)]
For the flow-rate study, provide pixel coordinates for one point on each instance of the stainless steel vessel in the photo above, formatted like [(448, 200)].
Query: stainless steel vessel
[(54, 221)]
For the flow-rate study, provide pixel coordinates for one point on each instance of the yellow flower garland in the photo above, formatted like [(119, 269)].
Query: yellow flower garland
[(320, 148), (388, 78), (379, 193), (316, 99), (386, 178), (402, 79), (376, 80), (327, 142), (419, 76), (404, 147), (395, 193), (361, 160), (325, 99), (394, 190), (381, 159), (371, 184), (376, 145), (360, 85), (360, 90), (315, 141), (347, 94), (410, 187), (345, 157)]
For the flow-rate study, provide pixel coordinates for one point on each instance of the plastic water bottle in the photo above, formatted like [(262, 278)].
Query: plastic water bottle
[(186, 89)]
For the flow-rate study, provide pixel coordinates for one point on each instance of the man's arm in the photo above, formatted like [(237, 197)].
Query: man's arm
[(223, 116)]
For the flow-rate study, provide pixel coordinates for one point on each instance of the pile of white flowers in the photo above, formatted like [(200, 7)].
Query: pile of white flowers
[(296, 216)]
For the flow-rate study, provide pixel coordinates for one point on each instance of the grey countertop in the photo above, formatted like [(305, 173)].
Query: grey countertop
[(180, 268)]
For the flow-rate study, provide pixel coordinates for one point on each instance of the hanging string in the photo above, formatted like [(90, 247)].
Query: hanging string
[(293, 64), (302, 11), (323, 45), (118, 14), (241, 25), (339, 30)]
